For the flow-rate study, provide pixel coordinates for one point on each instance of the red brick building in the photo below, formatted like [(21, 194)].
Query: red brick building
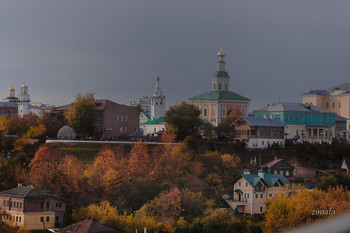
[(112, 120)]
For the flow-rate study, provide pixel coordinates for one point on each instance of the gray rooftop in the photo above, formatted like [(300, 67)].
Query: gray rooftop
[(26, 191), (344, 87), (259, 121), (292, 107)]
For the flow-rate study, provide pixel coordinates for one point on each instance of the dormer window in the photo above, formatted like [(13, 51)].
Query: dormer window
[(276, 184)]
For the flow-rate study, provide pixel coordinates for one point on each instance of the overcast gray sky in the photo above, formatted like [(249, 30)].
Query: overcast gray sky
[(275, 49)]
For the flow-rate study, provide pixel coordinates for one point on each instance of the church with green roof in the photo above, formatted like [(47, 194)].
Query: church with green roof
[(216, 104)]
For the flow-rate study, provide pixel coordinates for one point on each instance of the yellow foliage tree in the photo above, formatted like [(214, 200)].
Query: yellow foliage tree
[(298, 205)]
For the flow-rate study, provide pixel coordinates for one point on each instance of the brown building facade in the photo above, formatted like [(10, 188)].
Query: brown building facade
[(259, 132), (112, 120), (32, 208)]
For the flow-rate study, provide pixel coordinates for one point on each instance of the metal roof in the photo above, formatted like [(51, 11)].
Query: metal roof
[(259, 121), (26, 191), (269, 179), (292, 107), (155, 121), (211, 95)]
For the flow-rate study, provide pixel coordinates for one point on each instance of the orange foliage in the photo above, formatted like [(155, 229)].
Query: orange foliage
[(139, 161)]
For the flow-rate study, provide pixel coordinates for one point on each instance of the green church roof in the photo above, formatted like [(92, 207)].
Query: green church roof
[(221, 74), (155, 121), (212, 95)]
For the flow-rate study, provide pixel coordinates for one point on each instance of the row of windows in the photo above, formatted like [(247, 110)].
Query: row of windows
[(301, 118), (14, 204), (42, 219), (220, 87), (286, 173), (257, 195), (239, 183), (333, 105), (122, 117), (125, 129)]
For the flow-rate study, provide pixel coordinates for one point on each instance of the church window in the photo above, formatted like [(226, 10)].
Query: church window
[(219, 86), (339, 105), (226, 86), (327, 105), (205, 112), (333, 105), (214, 86), (161, 100)]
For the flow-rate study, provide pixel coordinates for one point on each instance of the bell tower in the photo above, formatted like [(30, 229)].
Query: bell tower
[(157, 102), (220, 81)]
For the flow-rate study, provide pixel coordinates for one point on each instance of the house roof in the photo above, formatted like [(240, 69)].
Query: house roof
[(100, 105), (87, 226), (26, 191), (155, 121), (259, 121), (347, 161), (340, 118), (293, 107), (272, 163), (344, 87), (213, 95), (269, 179)]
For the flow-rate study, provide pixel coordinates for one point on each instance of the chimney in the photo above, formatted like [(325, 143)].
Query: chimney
[(276, 157), (19, 185), (261, 173)]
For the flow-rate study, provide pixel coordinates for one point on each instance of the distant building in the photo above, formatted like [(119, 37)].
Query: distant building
[(33, 208), (279, 166), (157, 121), (346, 164), (86, 226), (305, 122), (217, 103), (340, 128), (22, 104), (259, 132), (335, 99), (250, 191), (112, 120), (144, 102)]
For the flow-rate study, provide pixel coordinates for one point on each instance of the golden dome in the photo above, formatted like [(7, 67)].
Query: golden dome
[(11, 89), (221, 53)]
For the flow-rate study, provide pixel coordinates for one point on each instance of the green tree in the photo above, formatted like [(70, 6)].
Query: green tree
[(184, 118), (81, 114)]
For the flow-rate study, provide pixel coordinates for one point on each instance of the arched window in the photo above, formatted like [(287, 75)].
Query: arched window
[(205, 112), (219, 86)]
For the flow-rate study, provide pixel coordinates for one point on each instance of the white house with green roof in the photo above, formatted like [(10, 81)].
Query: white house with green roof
[(216, 104)]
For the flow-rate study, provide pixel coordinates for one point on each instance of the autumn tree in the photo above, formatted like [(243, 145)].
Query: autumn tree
[(184, 118), (81, 114), (139, 161), (297, 205), (225, 129), (45, 170), (166, 207)]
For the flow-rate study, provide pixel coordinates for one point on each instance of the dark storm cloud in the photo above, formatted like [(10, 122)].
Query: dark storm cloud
[(275, 49)]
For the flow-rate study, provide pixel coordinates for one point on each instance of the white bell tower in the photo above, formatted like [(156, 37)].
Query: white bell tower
[(23, 101), (157, 102)]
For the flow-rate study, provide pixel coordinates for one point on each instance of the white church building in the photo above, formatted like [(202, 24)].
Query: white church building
[(156, 124)]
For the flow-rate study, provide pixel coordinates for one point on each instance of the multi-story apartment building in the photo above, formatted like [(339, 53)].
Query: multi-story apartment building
[(33, 208), (304, 122), (259, 132), (251, 191), (336, 99)]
